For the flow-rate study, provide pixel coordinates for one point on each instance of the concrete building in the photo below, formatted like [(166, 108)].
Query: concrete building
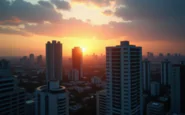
[(155, 108), (12, 98), (177, 89), (54, 61), (146, 75), (73, 75), (52, 102), (52, 99), (124, 79), (95, 80), (32, 58), (30, 107), (101, 102), (155, 88), (77, 60), (39, 60), (165, 72)]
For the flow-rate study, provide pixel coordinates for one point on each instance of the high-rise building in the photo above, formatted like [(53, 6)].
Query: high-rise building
[(165, 72), (155, 108), (155, 88), (30, 107), (177, 89), (146, 75), (101, 102), (54, 61), (32, 58), (52, 99), (12, 98), (77, 61), (124, 79), (73, 75), (39, 60), (95, 80)]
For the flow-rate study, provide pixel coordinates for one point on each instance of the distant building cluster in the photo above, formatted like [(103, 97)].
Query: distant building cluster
[(32, 61), (131, 84)]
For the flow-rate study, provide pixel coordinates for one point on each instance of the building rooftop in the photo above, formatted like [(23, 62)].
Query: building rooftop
[(29, 101)]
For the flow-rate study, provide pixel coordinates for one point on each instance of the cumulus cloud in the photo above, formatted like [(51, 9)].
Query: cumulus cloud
[(45, 4), (156, 19), (27, 12), (99, 3), (61, 4), (150, 20), (107, 12), (11, 31)]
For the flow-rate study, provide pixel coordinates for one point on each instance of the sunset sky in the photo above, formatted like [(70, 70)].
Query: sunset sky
[(26, 25)]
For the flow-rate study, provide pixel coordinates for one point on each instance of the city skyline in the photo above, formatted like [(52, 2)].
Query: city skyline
[(89, 24)]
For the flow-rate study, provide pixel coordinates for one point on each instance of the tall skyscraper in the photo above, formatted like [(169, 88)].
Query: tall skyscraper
[(52, 99), (12, 98), (32, 58), (146, 75), (165, 72), (177, 89), (155, 88), (101, 102), (77, 56), (39, 60), (124, 79), (54, 61)]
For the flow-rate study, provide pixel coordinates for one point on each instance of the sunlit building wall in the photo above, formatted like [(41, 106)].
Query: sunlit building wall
[(77, 60)]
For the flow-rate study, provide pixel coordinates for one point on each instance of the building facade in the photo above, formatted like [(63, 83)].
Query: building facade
[(77, 60), (155, 108), (101, 102), (165, 72), (146, 75), (12, 98), (177, 89), (124, 79), (52, 99), (52, 102), (155, 88), (54, 61)]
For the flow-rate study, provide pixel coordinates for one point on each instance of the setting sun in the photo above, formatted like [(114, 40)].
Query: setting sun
[(83, 49)]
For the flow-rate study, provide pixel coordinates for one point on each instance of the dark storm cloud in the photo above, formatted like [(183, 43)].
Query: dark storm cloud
[(46, 4), (61, 4), (27, 12), (156, 19)]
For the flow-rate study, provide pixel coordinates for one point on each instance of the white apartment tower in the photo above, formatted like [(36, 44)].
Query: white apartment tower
[(52, 99), (101, 102), (124, 79), (165, 72), (12, 98), (146, 75)]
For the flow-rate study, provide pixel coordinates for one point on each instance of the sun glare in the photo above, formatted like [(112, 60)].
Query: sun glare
[(83, 49)]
